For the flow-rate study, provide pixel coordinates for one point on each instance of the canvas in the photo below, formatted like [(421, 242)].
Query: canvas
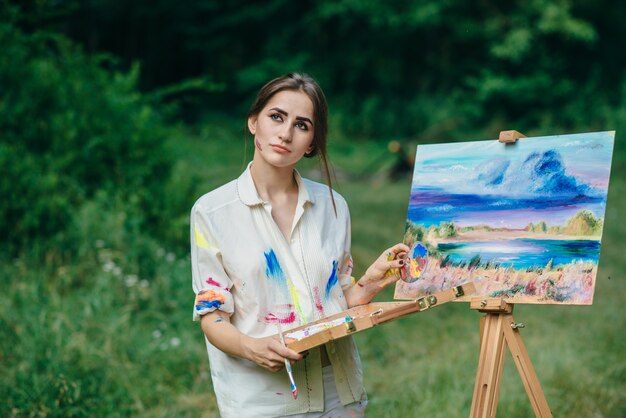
[(524, 221)]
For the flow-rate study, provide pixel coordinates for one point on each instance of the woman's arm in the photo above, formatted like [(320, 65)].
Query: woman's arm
[(375, 278), (267, 352)]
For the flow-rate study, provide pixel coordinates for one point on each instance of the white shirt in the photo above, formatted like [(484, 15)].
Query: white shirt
[(243, 265)]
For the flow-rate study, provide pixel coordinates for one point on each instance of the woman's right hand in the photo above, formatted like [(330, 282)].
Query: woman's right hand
[(268, 352)]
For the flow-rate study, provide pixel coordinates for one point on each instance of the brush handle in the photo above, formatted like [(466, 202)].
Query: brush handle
[(294, 389)]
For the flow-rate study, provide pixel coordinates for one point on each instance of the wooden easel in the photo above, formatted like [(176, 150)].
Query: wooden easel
[(498, 330)]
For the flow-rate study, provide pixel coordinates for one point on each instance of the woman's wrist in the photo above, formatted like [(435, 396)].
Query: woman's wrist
[(358, 294), (245, 347)]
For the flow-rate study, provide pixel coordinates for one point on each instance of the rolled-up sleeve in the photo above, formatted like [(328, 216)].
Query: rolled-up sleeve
[(211, 283)]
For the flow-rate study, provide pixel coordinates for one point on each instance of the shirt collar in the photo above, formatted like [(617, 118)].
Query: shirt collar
[(249, 196)]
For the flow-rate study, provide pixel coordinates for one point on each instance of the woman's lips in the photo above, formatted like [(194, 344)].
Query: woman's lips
[(279, 148)]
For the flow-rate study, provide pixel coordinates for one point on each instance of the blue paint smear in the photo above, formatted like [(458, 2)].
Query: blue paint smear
[(420, 251), (275, 273), (273, 269), (332, 280), (208, 304)]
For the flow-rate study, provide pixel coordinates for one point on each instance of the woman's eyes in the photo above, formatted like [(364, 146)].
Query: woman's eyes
[(279, 117)]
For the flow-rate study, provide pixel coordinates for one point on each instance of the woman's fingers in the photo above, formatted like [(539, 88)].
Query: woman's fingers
[(399, 248), (388, 267), (284, 351), (289, 354), (393, 263), (270, 353)]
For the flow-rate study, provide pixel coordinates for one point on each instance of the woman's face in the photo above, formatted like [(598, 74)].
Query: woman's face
[(283, 129)]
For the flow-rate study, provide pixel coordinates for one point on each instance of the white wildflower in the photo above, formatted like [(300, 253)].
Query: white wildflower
[(130, 280), (108, 266)]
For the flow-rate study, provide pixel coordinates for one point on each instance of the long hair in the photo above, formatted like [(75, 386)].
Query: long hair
[(307, 85)]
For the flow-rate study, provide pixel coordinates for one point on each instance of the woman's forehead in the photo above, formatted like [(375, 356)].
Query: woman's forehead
[(292, 101)]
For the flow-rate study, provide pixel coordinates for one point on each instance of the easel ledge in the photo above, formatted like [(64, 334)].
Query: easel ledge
[(498, 330)]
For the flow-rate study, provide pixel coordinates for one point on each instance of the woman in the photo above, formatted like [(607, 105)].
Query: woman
[(271, 251)]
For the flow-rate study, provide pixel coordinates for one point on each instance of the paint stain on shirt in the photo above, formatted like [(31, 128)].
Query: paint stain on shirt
[(200, 239), (271, 318), (209, 299), (212, 282), (347, 267), (318, 301), (272, 268), (274, 272), (279, 314), (332, 280)]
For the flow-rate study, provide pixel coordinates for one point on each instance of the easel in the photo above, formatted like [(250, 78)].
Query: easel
[(498, 329)]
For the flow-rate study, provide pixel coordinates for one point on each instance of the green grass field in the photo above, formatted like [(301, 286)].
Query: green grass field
[(98, 338)]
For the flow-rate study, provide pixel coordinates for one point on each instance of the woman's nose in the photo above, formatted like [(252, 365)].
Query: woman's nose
[(285, 134)]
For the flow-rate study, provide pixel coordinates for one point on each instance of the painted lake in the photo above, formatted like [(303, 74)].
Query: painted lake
[(523, 253)]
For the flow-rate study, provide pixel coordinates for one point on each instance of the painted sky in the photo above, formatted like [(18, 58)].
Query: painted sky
[(487, 182)]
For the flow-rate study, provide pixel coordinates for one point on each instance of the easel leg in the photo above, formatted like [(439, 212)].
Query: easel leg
[(527, 372), (497, 330), (490, 364)]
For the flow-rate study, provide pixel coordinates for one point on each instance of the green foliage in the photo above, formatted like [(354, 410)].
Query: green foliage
[(540, 227), (424, 69), (583, 222), (84, 342), (70, 128), (474, 262), (446, 230), (413, 233)]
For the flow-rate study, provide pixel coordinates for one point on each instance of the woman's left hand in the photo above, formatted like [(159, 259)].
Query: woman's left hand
[(388, 268)]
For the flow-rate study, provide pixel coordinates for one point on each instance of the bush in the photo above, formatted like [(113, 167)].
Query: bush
[(70, 128)]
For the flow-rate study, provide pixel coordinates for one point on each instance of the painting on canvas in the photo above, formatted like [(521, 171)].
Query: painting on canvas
[(523, 221)]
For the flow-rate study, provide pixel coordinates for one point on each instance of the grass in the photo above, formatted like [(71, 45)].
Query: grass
[(103, 337)]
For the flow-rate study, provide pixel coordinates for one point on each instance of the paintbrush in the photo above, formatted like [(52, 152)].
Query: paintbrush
[(294, 389)]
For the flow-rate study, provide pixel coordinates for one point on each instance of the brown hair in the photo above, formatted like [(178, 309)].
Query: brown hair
[(307, 85)]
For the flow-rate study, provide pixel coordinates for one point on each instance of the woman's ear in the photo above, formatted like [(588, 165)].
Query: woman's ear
[(252, 124), (310, 150)]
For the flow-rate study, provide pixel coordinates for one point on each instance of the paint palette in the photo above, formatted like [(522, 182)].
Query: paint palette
[(366, 316), (416, 262), (315, 328)]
